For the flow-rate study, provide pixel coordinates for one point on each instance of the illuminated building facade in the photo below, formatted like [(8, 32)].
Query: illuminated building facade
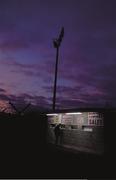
[(81, 131)]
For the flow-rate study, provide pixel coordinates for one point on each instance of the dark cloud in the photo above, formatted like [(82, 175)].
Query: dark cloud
[(2, 90), (35, 70), (28, 73), (4, 97), (65, 90), (13, 45), (65, 103), (21, 100), (78, 95)]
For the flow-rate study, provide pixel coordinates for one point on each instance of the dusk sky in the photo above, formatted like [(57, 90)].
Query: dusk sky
[(87, 58)]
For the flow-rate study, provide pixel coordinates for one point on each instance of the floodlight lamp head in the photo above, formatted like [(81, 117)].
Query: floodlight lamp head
[(56, 43), (62, 33)]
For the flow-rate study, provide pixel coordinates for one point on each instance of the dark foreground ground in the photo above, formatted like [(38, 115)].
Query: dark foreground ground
[(25, 154), (53, 162)]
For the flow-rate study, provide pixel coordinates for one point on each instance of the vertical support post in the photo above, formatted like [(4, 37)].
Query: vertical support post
[(56, 43), (55, 79)]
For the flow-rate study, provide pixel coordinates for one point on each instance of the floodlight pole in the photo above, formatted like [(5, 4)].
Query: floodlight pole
[(55, 79), (56, 43)]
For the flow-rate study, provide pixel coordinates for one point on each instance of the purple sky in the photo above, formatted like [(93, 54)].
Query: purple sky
[(87, 60)]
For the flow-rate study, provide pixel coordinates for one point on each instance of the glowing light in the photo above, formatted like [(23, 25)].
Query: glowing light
[(73, 113), (52, 114)]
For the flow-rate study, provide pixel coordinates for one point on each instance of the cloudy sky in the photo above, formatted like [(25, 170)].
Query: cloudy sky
[(87, 59)]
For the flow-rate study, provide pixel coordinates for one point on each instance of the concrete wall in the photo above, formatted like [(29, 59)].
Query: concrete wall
[(81, 140), (83, 137)]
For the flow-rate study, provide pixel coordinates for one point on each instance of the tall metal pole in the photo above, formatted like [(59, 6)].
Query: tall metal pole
[(56, 43), (55, 79)]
